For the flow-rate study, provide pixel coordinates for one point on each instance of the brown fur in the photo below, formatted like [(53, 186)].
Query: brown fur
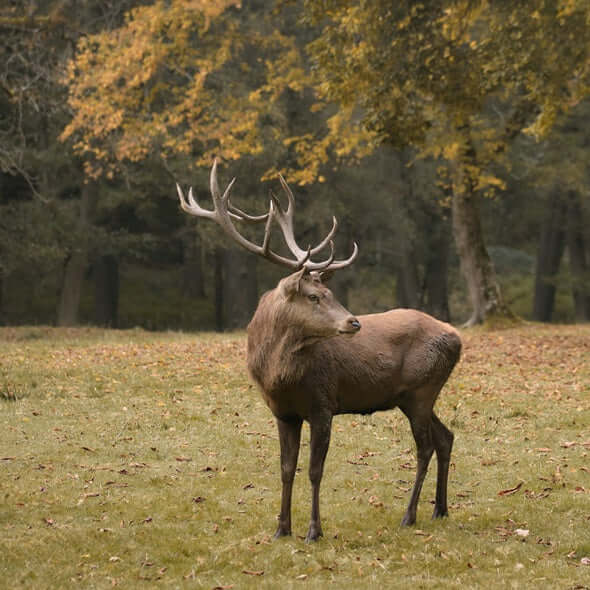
[(308, 370)]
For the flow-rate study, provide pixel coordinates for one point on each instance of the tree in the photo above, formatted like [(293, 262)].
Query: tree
[(458, 80), (36, 41), (556, 170), (160, 83), (162, 88)]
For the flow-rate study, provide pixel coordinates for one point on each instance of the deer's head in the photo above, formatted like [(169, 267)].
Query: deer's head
[(302, 295)]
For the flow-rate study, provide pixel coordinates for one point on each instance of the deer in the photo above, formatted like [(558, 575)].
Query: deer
[(313, 360)]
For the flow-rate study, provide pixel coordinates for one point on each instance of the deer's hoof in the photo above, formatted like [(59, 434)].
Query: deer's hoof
[(439, 512), (282, 533), (313, 534), (408, 520)]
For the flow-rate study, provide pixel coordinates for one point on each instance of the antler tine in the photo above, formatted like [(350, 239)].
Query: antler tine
[(285, 219), (290, 196), (224, 199), (266, 238), (304, 261), (239, 214), (191, 206), (318, 266), (338, 264), (328, 239), (213, 183)]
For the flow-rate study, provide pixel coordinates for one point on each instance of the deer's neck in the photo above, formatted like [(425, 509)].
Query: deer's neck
[(276, 347)]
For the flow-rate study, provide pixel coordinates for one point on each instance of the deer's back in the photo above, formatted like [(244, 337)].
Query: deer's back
[(394, 352)]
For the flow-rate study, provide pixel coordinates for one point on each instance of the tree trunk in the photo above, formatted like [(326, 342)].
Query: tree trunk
[(106, 290), (77, 261), (476, 264), (192, 271), (549, 253), (219, 288), (2, 319), (241, 288), (435, 292), (407, 286), (577, 258)]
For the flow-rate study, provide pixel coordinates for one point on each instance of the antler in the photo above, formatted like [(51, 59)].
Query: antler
[(224, 213)]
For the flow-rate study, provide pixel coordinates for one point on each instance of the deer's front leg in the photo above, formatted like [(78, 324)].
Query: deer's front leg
[(320, 426), (289, 437)]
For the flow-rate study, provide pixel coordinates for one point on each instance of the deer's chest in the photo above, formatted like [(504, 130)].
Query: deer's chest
[(295, 400)]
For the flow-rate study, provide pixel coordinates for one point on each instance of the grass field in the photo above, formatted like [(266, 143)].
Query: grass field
[(135, 459)]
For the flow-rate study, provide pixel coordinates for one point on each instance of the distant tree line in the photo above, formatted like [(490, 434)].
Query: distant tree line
[(450, 139)]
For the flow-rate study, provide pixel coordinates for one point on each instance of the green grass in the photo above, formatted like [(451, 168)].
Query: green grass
[(137, 460)]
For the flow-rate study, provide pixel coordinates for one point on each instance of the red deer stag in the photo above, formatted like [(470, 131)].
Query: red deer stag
[(312, 359)]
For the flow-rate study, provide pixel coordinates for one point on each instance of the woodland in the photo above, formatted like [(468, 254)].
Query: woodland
[(448, 137)]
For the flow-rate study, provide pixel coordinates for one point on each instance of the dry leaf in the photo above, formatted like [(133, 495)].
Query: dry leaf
[(510, 491)]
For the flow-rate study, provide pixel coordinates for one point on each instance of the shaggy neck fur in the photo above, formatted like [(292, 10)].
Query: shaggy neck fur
[(276, 343)]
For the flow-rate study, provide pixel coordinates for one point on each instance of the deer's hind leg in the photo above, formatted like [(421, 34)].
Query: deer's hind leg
[(420, 416)]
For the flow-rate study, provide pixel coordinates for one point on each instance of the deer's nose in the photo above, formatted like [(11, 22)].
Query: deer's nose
[(354, 323)]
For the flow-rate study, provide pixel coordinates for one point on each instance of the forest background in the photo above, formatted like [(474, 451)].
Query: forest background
[(449, 138)]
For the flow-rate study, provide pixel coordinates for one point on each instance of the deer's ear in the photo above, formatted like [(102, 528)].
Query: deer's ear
[(290, 285)]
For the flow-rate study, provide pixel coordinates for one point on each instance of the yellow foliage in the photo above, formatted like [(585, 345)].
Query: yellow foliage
[(451, 151), (120, 87), (489, 180)]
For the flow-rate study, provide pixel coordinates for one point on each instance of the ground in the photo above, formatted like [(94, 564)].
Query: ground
[(132, 459)]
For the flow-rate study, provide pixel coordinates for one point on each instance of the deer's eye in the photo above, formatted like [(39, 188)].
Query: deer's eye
[(313, 298)]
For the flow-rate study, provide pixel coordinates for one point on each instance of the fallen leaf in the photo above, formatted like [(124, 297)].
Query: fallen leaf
[(253, 573), (510, 491), (375, 502)]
